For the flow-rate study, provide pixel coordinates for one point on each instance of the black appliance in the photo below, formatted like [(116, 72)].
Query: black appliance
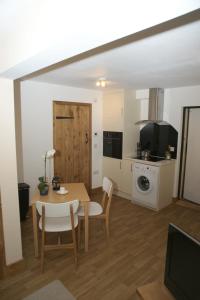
[(112, 144), (182, 270), (56, 183), (23, 192), (157, 138)]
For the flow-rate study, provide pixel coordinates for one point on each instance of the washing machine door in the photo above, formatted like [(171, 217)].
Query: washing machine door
[(143, 184)]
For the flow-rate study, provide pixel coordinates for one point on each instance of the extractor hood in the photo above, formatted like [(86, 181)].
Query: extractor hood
[(155, 111)]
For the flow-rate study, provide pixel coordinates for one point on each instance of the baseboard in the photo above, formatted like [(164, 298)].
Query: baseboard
[(175, 199), (14, 268), (144, 205)]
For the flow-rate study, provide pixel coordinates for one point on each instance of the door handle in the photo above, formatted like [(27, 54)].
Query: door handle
[(86, 138)]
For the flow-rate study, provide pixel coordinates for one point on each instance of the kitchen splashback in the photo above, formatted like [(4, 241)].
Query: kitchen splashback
[(157, 139)]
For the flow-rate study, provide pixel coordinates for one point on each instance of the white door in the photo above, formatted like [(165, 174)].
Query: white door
[(192, 170)]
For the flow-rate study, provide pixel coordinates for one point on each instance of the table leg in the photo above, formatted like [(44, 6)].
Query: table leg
[(35, 229), (86, 226)]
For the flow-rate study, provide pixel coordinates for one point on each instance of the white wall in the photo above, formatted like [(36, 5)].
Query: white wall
[(37, 125), (8, 174), (174, 101), (121, 110)]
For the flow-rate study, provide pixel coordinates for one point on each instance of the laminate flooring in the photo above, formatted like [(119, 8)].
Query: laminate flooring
[(135, 255)]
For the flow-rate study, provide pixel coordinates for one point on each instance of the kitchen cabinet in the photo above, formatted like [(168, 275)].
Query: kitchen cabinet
[(126, 177), (120, 172), (113, 108), (112, 170), (121, 110), (142, 94)]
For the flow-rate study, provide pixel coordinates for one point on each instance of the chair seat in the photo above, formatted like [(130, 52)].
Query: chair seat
[(94, 209), (58, 224)]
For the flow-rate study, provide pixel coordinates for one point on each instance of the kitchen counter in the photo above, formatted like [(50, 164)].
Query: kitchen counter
[(160, 163)]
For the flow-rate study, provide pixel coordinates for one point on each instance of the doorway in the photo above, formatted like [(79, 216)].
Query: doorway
[(72, 141), (189, 184)]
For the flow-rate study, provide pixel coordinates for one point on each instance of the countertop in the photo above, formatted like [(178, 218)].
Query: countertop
[(160, 163)]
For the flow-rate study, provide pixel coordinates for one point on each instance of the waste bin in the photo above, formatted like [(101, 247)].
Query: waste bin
[(23, 190)]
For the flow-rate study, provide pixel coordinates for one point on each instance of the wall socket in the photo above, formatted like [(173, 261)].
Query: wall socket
[(96, 172)]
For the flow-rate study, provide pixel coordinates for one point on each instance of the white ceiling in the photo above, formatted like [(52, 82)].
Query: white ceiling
[(169, 59)]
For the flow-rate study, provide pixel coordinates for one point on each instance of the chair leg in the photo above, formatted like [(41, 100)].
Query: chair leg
[(79, 233), (107, 228), (75, 246), (43, 239), (59, 238), (42, 251)]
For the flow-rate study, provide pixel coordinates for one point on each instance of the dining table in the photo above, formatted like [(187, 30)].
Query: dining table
[(74, 191)]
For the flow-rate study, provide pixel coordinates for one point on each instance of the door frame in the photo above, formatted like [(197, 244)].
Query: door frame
[(2, 248), (184, 143), (90, 130)]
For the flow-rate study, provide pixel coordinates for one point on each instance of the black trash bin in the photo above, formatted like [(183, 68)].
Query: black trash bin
[(23, 190)]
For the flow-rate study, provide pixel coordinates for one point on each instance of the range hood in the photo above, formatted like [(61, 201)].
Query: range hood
[(156, 104)]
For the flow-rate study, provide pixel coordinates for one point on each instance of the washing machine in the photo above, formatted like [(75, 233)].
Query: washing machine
[(145, 185)]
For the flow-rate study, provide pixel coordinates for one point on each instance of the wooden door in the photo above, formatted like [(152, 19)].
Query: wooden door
[(72, 141)]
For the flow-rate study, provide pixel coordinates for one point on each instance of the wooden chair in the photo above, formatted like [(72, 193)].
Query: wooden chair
[(99, 211), (58, 217)]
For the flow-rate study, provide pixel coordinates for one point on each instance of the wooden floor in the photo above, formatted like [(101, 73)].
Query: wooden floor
[(134, 256)]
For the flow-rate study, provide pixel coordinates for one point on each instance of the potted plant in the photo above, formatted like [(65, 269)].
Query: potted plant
[(43, 186)]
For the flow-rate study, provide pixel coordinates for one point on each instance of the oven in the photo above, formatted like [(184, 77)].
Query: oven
[(112, 144)]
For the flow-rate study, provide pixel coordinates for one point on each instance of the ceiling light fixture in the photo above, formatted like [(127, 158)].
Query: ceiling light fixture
[(101, 83)]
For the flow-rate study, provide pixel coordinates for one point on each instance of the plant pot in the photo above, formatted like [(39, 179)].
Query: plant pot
[(44, 191)]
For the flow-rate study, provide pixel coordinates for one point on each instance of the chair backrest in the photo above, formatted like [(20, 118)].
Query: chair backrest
[(108, 190), (54, 210), (107, 185)]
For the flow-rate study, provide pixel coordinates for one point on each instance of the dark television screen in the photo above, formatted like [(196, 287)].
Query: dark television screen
[(182, 270)]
